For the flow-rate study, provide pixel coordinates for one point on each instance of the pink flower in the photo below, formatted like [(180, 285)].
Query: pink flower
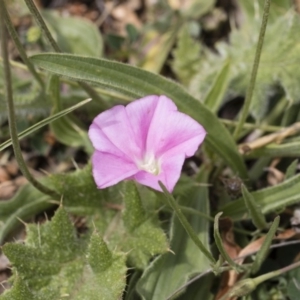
[(147, 140)]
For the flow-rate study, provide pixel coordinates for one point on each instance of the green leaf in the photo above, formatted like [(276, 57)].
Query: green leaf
[(66, 130), (134, 213), (85, 199), (263, 251), (74, 35), (274, 150), (219, 244), (26, 203), (293, 287), (254, 210), (44, 122), (269, 199), (138, 83), (144, 236), (278, 64), (170, 271), (215, 95), (291, 170), (56, 265), (186, 56), (157, 53), (19, 291)]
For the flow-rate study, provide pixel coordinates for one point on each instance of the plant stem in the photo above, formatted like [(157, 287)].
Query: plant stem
[(36, 14), (262, 127), (11, 113), (251, 86), (171, 201), (14, 35), (258, 280)]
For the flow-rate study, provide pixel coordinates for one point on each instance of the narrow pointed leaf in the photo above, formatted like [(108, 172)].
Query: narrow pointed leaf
[(254, 210), (219, 244), (183, 220), (135, 82), (291, 170), (215, 95), (269, 199), (44, 122), (263, 251)]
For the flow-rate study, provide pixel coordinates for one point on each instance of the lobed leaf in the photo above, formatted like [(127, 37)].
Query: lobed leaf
[(56, 266)]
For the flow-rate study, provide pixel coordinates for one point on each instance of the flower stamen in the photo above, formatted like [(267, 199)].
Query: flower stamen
[(149, 164)]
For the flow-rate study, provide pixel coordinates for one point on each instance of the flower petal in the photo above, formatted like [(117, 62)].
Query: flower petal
[(169, 175), (111, 132), (140, 113), (101, 142), (109, 169), (172, 132)]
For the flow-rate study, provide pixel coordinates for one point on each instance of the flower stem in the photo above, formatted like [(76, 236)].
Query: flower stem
[(11, 112), (171, 201), (18, 44), (251, 86)]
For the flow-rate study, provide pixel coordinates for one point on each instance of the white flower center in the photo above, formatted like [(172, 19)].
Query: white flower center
[(149, 164)]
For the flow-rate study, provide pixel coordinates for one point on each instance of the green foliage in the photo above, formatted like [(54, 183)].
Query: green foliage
[(66, 129), (263, 251), (187, 53), (269, 199), (68, 32), (136, 83), (170, 271), (43, 122), (293, 289), (278, 63), (52, 264), (254, 210), (144, 238), (29, 99)]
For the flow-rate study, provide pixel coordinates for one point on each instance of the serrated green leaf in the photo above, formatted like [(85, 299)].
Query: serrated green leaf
[(74, 35), (99, 256), (170, 271), (137, 83), (85, 198), (291, 170), (52, 263), (265, 247), (19, 291), (134, 213), (144, 237), (254, 210), (269, 199)]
